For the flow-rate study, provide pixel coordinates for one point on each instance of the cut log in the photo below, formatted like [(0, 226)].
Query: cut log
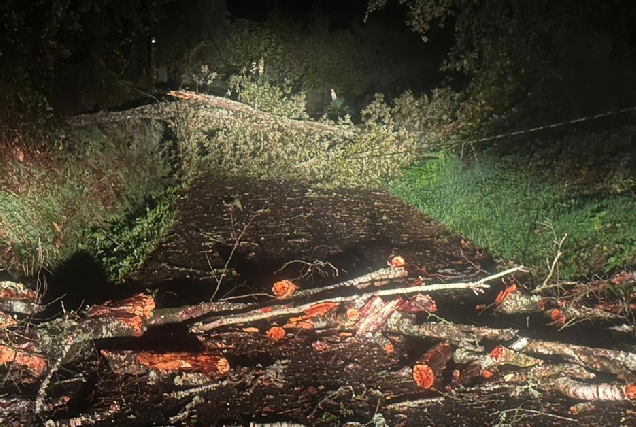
[(340, 349)]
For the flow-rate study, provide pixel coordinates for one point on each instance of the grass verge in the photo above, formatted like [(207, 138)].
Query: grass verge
[(501, 205), (56, 199)]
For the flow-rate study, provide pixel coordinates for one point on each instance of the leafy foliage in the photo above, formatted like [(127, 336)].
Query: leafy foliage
[(315, 59), (278, 145), (123, 247), (72, 52), (338, 109), (254, 90), (535, 61)]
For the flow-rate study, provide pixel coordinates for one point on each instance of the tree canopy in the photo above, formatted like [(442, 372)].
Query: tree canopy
[(567, 57)]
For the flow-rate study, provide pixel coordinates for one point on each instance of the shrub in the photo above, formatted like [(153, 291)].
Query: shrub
[(123, 247)]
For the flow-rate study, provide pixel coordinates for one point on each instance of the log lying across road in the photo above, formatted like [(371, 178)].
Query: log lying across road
[(350, 351)]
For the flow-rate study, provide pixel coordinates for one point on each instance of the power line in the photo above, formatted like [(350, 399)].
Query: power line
[(550, 126)]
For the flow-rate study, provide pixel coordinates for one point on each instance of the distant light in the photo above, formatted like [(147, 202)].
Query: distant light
[(153, 40)]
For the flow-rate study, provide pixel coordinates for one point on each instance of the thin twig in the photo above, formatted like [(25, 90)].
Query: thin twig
[(309, 267), (537, 413), (552, 267), (229, 259)]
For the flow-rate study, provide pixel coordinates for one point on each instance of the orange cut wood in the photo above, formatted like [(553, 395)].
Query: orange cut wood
[(487, 374), (558, 317), (630, 391), (352, 314), (505, 293), (284, 288), (397, 262), (431, 364), (423, 376), (36, 365), (140, 305), (320, 309), (276, 333), (182, 361)]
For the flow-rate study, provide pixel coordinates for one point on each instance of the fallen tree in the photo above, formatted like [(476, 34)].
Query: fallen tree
[(219, 136), (317, 356)]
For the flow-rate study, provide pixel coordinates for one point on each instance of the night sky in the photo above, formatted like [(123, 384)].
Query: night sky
[(341, 12)]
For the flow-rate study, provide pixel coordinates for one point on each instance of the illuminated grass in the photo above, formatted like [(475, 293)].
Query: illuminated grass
[(512, 213)]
